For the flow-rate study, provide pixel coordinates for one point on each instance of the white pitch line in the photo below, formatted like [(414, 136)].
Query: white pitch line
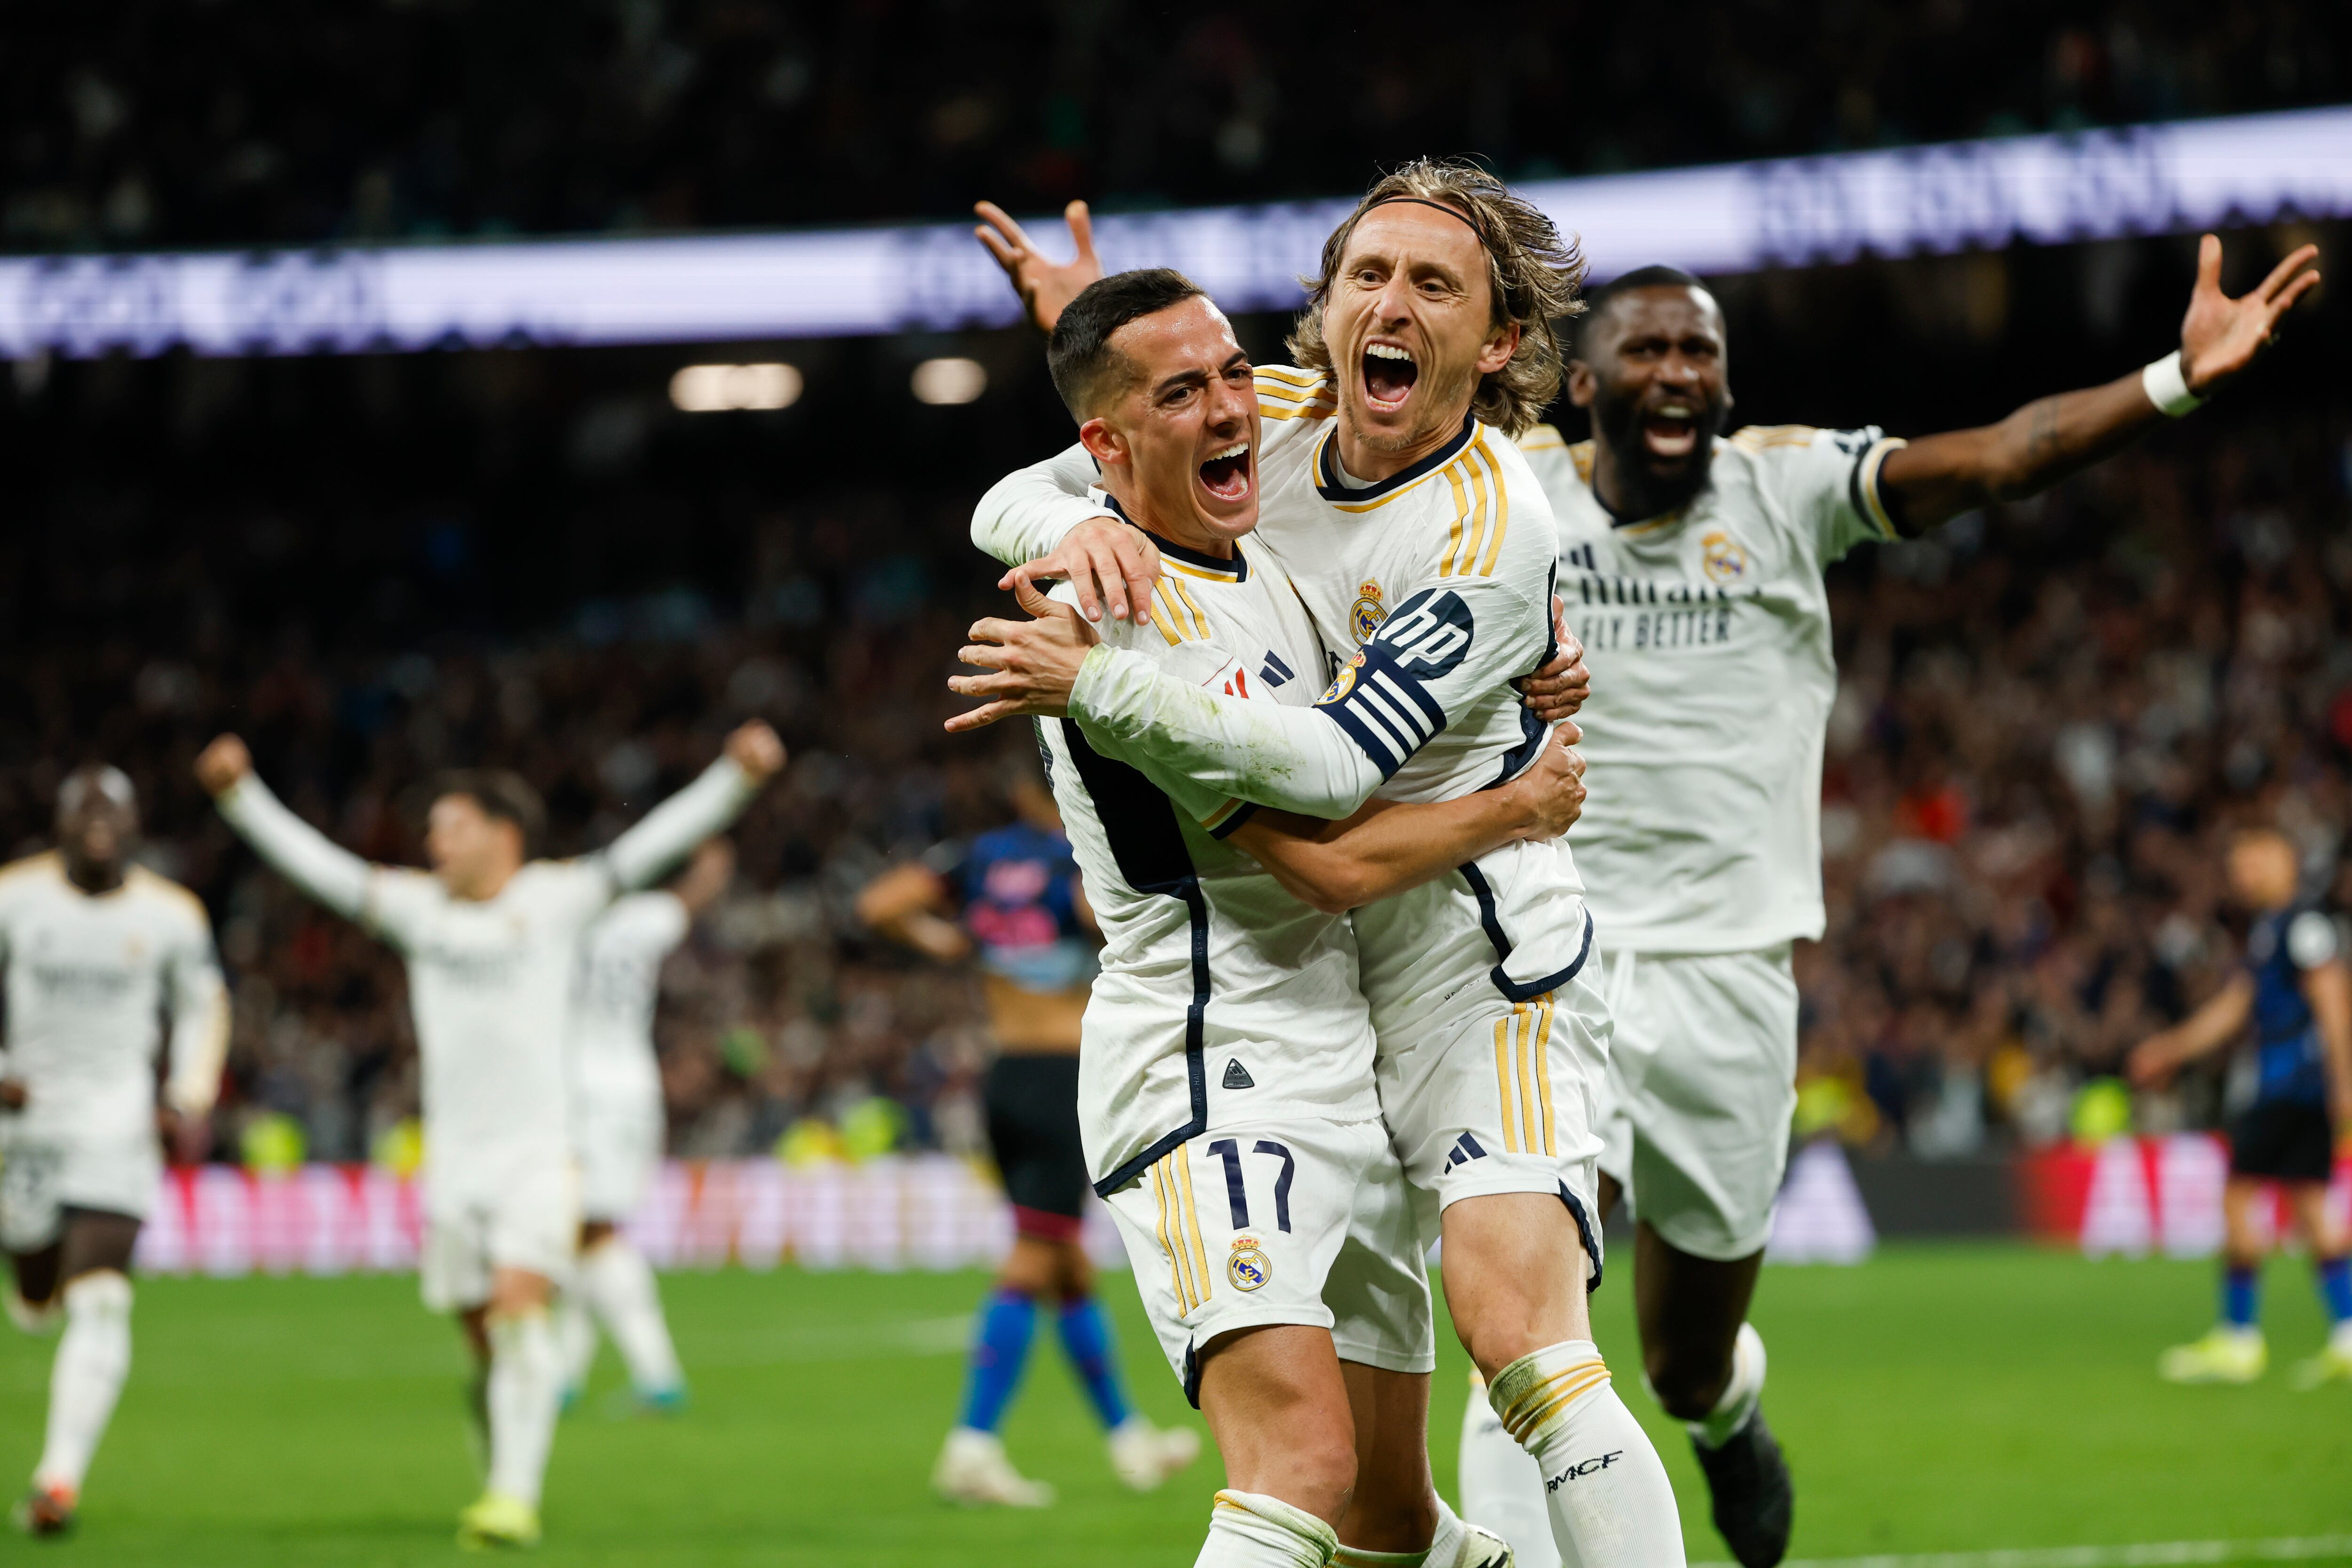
[(2148, 1554)]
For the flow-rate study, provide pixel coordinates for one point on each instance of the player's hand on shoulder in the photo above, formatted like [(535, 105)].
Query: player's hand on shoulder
[(2220, 336), (1033, 665), (222, 765), (1558, 690), (1553, 785), (1044, 287), (756, 749), (1107, 564), (12, 1094)]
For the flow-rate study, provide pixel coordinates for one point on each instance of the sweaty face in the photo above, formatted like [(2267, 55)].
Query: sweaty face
[(466, 845), (1409, 325), (1653, 374), (1188, 425)]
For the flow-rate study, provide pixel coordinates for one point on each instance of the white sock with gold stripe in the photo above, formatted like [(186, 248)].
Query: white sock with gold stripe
[(1611, 1505), (1251, 1530)]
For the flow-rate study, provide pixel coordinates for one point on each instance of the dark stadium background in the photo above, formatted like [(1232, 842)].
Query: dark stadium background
[(376, 564)]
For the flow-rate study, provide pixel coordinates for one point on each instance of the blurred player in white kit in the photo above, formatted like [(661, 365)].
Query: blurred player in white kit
[(95, 950), (616, 1128), (492, 942)]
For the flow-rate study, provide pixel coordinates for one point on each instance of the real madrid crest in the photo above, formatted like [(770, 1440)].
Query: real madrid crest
[(1342, 683), (1247, 1268), (1365, 617), (1723, 560)]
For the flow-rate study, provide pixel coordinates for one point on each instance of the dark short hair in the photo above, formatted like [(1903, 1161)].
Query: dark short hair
[(1087, 370), (1650, 276), (503, 797)]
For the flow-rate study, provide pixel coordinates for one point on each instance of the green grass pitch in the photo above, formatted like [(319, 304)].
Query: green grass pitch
[(1937, 1399)]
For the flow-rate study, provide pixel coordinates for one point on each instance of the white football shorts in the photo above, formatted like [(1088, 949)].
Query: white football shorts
[(1701, 1091), (532, 1220), (1282, 1221), (618, 1142), (1502, 1097), (42, 1177)]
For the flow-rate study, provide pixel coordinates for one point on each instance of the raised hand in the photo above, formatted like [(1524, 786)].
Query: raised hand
[(757, 751), (2220, 336), (1044, 287), (220, 765), (1033, 664)]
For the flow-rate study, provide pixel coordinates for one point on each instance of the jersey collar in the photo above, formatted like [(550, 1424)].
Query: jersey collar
[(1326, 469), (1193, 562)]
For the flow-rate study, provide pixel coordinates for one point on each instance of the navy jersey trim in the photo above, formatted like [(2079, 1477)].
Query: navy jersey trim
[(1489, 917), (1533, 732), (1238, 815), (1236, 569), (1326, 468), (1385, 710), (1147, 844), (1588, 1232)]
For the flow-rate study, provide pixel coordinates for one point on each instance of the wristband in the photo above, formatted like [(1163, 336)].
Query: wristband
[(2167, 387)]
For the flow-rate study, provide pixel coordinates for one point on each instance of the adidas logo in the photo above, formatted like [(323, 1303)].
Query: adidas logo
[(1237, 1076), (1465, 1149), (1274, 672)]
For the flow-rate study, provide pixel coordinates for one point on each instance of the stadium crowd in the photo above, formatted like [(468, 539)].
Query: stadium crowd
[(2048, 716), (160, 124)]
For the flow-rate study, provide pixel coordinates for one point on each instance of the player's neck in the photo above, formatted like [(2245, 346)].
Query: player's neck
[(93, 877), (482, 886), (1370, 462), (1176, 524)]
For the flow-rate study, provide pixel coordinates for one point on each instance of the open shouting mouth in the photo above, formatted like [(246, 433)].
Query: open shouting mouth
[(1390, 373), (1226, 474), (1670, 429)]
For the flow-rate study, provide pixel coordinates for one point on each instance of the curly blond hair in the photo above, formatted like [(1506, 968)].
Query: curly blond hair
[(1533, 275)]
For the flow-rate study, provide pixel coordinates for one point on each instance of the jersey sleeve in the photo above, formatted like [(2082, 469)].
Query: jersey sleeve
[(1443, 648), (2311, 940), (1827, 480), (200, 1017), (1293, 759), (1292, 404), (670, 831), (1031, 511), (317, 864)]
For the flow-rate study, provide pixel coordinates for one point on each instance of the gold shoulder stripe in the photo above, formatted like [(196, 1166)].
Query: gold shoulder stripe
[(1305, 380), (1502, 524), (1543, 439), (1199, 619), (1757, 437), (31, 865), (1581, 456)]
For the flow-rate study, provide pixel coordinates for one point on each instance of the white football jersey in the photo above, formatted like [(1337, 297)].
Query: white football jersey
[(489, 984), (1708, 634), (1222, 997), (614, 1001), (1432, 593), (89, 978)]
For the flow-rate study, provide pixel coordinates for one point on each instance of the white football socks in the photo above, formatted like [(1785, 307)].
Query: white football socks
[(575, 1337), (618, 1283), (1502, 1485), (526, 1387), (1251, 1530), (1610, 1503), (93, 1358), (1740, 1395)]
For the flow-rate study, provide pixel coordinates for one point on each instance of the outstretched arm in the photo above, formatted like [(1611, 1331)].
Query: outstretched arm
[(1045, 523), (301, 854), (666, 834), (2206, 1030), (909, 905), (1386, 848), (1937, 477)]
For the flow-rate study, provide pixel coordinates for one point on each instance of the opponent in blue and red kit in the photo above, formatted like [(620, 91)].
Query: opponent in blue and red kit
[(2296, 991), (1009, 901)]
